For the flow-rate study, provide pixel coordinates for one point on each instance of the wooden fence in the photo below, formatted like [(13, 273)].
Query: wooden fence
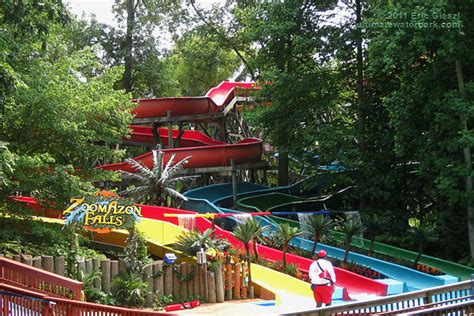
[(181, 281)]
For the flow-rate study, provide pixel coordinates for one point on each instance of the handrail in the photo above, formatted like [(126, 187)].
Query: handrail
[(28, 301), (25, 276), (394, 303)]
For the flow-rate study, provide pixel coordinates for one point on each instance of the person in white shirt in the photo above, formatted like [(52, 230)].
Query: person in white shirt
[(323, 278)]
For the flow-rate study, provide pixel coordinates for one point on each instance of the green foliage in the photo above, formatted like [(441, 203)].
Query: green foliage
[(350, 228), (136, 251), (201, 61), (286, 233), (192, 241), (156, 183), (319, 225), (129, 290)]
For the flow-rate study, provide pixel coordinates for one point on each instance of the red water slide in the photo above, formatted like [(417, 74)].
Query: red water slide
[(144, 134), (245, 151), (351, 282), (213, 101)]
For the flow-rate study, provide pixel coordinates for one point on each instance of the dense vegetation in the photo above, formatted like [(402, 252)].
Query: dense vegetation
[(387, 91)]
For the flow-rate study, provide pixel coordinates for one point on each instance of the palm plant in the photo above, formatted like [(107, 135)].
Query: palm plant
[(286, 233), (319, 225), (259, 231), (154, 184), (420, 236), (375, 225), (192, 241), (129, 289), (247, 232), (350, 228)]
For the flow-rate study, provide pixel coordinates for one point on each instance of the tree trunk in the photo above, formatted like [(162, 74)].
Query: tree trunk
[(348, 247), (283, 168), (418, 256), (315, 244), (127, 74), (467, 162), (372, 242), (249, 262), (255, 249), (284, 250)]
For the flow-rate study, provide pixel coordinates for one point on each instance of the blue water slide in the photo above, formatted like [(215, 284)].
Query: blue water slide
[(412, 279)]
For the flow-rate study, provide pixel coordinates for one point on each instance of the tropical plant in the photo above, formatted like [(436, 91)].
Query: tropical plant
[(192, 241), (319, 225), (247, 232), (350, 228), (129, 289), (154, 184), (374, 224), (136, 251), (420, 235), (286, 233), (258, 232)]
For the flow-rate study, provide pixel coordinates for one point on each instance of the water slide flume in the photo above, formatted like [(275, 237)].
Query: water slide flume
[(214, 101), (246, 151), (189, 138)]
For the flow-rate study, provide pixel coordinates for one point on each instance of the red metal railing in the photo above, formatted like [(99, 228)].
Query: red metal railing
[(17, 301), (25, 276)]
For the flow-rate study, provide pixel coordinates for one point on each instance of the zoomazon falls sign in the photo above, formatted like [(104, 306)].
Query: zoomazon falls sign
[(102, 212)]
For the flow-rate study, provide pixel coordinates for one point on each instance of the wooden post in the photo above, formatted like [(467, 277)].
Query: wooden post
[(81, 266), (184, 284), (168, 283), (234, 182), (37, 262), (228, 282), (26, 259), (105, 269), (176, 282), (88, 263), (96, 268), (122, 265), (113, 269), (170, 129), (159, 278), (190, 286), (202, 283), (196, 286), (59, 265), (17, 257), (156, 135), (48, 263), (237, 281), (148, 278), (219, 284), (211, 287)]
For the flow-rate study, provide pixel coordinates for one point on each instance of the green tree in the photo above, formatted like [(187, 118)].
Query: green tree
[(375, 224), (350, 228), (246, 232), (156, 183), (201, 62), (420, 236), (191, 242), (319, 225), (286, 233)]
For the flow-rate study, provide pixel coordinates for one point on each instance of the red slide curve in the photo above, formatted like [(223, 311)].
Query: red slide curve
[(245, 151), (144, 134), (213, 101), (351, 282)]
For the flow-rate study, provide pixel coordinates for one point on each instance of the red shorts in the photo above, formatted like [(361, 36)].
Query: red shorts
[(323, 293)]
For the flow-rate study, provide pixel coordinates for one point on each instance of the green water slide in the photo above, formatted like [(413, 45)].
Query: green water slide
[(280, 202)]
